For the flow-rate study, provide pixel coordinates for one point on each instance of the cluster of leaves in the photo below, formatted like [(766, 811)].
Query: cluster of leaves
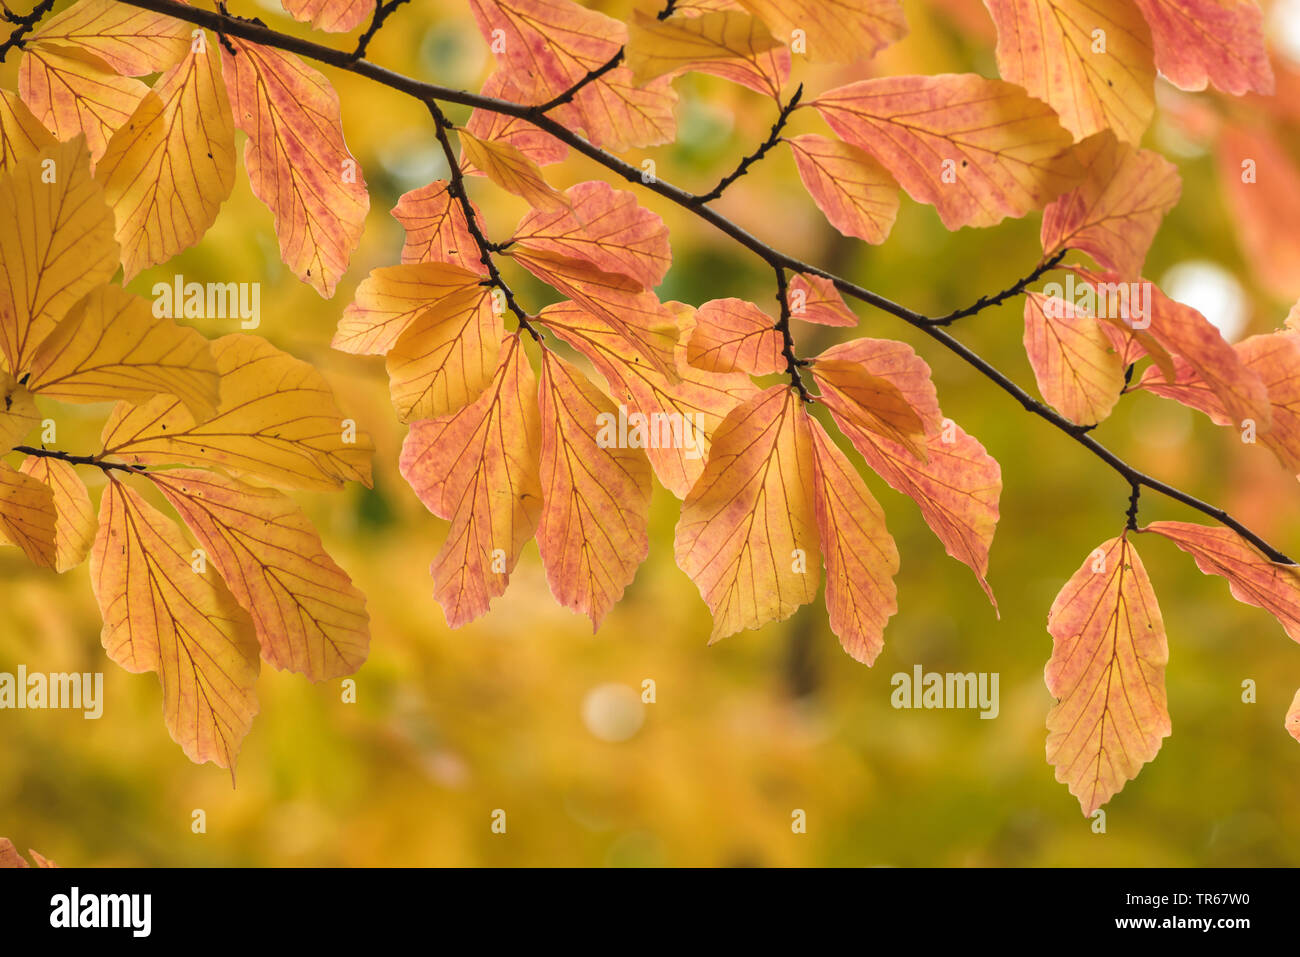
[(505, 454)]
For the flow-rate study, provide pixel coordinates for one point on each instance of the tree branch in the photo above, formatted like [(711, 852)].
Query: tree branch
[(27, 22), (792, 362), (985, 302), (427, 92), (773, 138), (568, 95), (382, 13), (96, 460)]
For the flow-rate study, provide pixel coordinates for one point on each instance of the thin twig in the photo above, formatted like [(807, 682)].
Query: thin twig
[(985, 302), (26, 23), (792, 362), (96, 460), (568, 95), (773, 138), (382, 12), (432, 92), (1135, 492)]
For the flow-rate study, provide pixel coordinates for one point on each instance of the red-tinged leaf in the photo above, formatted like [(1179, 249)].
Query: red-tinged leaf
[(1275, 358), (726, 43), (161, 615), (1114, 213), (540, 147), (111, 347), (1293, 717), (21, 133), (27, 516), (1252, 578), (871, 402), (748, 526), (169, 169), (514, 172), (128, 40), (1107, 673), (860, 554), (1050, 47), (390, 299), (74, 518), (333, 16), (478, 468), (618, 115), (1210, 41), (297, 161), (604, 227), (898, 364), (957, 489), (1077, 370), (647, 326), (1121, 312), (978, 150), (856, 194), (56, 246), (446, 357), (278, 422), (836, 30), (692, 405), (815, 299), (1262, 185), (308, 616), (73, 92), (734, 335), (595, 494), (436, 229)]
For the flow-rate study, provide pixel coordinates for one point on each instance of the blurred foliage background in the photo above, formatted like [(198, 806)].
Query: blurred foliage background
[(527, 711)]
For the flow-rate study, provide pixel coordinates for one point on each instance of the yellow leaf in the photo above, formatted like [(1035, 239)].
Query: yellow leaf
[(73, 92), (389, 299), (130, 41), (873, 403), (658, 47), (27, 516), (161, 615), (277, 421), (21, 134), (110, 346), (74, 521), (835, 30), (56, 246), (18, 414), (169, 169), (514, 172)]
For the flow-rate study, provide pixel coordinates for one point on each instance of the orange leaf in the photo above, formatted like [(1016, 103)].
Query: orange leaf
[(726, 43), (856, 194), (898, 364), (308, 616), (297, 161), (128, 40), (514, 172), (835, 30), (748, 531), (161, 615), (1076, 369), (27, 516), (478, 468), (1293, 717), (11, 859), (1107, 673), (870, 402), (21, 133), (1215, 41), (436, 229), (978, 150), (595, 494), (74, 518), (1265, 207), (540, 147), (333, 16), (815, 299), (1252, 578), (604, 227), (734, 335), (1051, 48), (390, 299), (73, 92), (1114, 213), (861, 557)]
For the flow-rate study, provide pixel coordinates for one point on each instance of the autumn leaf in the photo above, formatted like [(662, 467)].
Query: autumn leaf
[(18, 414), (592, 534), (978, 150), (1263, 206), (111, 347), (436, 229), (604, 227), (1252, 578), (334, 16), (74, 517), (1210, 41), (21, 133), (277, 421), (734, 335), (57, 246), (1092, 63), (72, 92), (1107, 673), (161, 615), (27, 516), (748, 527), (10, 858), (167, 171), (1293, 717), (1077, 371), (479, 469), (539, 146), (857, 195), (297, 161), (815, 299), (871, 402), (390, 299), (129, 41), (835, 30), (726, 43), (1113, 215), (510, 169), (860, 555), (308, 616), (697, 399)]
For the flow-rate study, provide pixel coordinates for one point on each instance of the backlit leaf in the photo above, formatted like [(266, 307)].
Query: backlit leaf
[(436, 229), (857, 194), (539, 146), (131, 41), (815, 299), (21, 133), (1077, 371), (726, 43), (72, 92), (27, 516), (1214, 41), (391, 297), (335, 16), (734, 335), (870, 401), (835, 30), (18, 415), (74, 518), (514, 172)]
